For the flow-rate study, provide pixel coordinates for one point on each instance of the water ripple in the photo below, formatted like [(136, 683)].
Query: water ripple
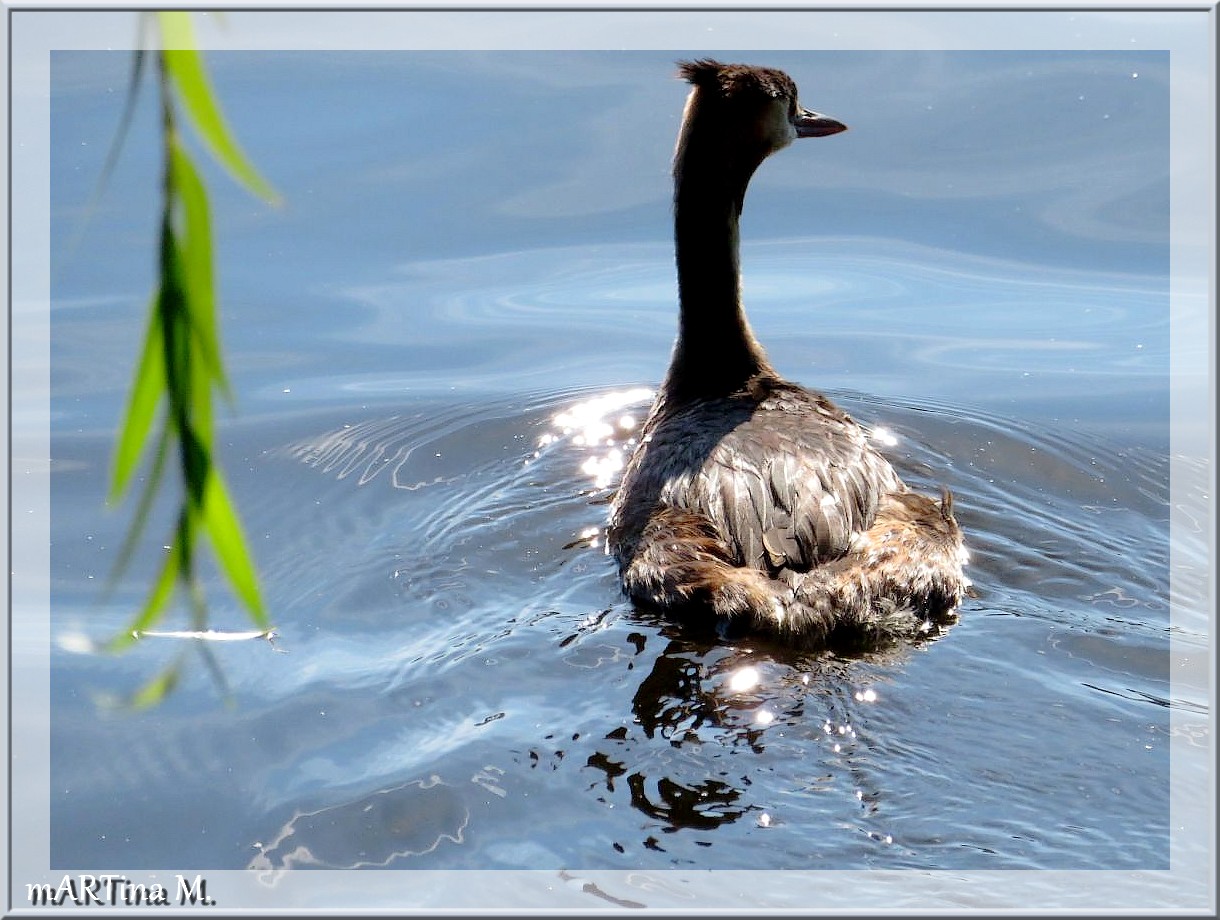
[(464, 650)]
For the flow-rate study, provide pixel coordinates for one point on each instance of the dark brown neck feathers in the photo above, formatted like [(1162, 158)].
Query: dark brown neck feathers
[(716, 353)]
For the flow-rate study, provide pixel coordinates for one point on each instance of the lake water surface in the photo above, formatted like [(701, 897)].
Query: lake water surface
[(438, 345)]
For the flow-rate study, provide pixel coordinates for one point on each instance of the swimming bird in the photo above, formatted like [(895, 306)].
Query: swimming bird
[(749, 501)]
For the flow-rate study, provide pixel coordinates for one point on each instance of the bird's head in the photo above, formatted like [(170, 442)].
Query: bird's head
[(753, 108)]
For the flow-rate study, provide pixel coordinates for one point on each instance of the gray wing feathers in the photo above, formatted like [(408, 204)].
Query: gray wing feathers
[(791, 484)]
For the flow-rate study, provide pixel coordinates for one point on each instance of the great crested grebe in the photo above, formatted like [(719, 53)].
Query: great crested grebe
[(748, 498)]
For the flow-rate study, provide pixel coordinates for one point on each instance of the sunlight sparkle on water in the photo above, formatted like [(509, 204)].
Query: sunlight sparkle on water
[(586, 421), (744, 679), (592, 424), (601, 469), (885, 436)]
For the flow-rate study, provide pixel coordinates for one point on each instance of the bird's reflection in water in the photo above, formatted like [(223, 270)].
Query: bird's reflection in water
[(708, 804), (701, 691), (708, 694)]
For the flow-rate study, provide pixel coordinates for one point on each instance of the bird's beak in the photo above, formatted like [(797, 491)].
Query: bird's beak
[(811, 124)]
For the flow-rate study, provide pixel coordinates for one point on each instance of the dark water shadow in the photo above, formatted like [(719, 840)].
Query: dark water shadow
[(737, 693)]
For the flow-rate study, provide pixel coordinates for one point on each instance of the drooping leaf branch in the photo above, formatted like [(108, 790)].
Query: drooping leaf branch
[(180, 369)]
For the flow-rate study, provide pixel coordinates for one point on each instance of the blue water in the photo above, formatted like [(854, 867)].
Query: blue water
[(433, 345)]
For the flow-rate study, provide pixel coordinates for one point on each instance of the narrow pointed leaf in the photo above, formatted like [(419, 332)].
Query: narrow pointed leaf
[(195, 236), (116, 145), (138, 59), (147, 388), (223, 527), (157, 689), (143, 508), (185, 66), (176, 29), (197, 468), (197, 263), (176, 333), (155, 604), (181, 361)]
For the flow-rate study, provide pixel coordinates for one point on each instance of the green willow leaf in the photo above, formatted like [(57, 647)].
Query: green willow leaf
[(201, 402), (155, 604), (176, 29), (185, 66), (186, 380), (223, 527), (156, 689), (197, 467), (181, 361), (112, 156), (174, 310), (147, 386), (196, 257), (143, 508)]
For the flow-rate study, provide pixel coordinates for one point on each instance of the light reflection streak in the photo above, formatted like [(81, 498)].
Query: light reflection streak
[(885, 436), (592, 425), (80, 644)]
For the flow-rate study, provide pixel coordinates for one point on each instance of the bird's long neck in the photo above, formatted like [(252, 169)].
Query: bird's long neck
[(716, 353)]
